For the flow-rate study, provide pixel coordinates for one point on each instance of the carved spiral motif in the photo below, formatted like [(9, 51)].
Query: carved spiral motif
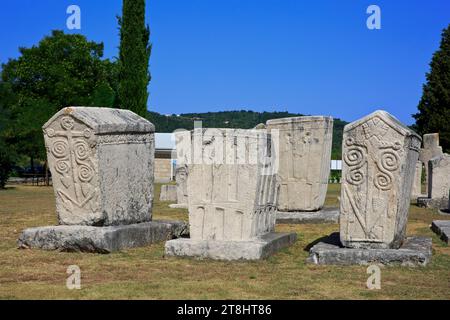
[(60, 149), (50, 132), (85, 173), (81, 150), (62, 167), (354, 158), (388, 163)]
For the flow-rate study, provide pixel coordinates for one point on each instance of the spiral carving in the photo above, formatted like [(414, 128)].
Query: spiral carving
[(60, 149), (388, 163), (354, 158), (81, 150), (85, 173), (62, 167)]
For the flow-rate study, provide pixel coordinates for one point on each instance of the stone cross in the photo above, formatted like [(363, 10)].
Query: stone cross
[(101, 161), (305, 154), (379, 158)]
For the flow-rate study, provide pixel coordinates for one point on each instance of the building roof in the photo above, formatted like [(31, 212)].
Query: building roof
[(164, 141)]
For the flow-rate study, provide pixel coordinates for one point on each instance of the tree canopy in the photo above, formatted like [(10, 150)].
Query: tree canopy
[(134, 56), (434, 107), (62, 70)]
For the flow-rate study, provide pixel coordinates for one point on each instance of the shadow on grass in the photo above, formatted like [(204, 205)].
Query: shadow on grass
[(332, 239)]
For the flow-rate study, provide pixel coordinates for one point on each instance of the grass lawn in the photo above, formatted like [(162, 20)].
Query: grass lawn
[(145, 273)]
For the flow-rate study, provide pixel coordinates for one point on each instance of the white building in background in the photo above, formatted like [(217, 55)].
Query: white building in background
[(164, 157)]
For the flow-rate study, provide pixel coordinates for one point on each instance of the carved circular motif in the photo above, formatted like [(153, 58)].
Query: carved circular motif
[(85, 173), (81, 150), (67, 123), (87, 133), (383, 181), (50, 132), (60, 149), (62, 167)]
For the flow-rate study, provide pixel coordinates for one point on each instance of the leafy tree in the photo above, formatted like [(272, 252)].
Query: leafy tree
[(134, 57), (62, 70), (434, 107)]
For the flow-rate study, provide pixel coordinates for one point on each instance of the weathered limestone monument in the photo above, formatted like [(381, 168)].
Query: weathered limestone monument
[(232, 197), (379, 158), (101, 161), (168, 193), (183, 147), (437, 173), (429, 150), (304, 145)]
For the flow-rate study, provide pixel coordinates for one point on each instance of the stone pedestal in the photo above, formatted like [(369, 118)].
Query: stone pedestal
[(232, 197), (101, 160), (442, 229), (101, 239), (304, 145), (415, 251), (326, 215)]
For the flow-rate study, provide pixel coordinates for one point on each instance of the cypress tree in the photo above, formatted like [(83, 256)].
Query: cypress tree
[(434, 107), (134, 56)]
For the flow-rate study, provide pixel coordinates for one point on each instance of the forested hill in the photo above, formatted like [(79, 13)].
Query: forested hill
[(234, 119)]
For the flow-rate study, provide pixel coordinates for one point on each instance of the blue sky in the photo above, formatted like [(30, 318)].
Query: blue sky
[(311, 57)]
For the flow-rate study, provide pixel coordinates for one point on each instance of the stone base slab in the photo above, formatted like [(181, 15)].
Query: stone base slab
[(425, 202), (256, 249), (100, 239), (416, 251), (178, 206), (442, 229), (326, 215)]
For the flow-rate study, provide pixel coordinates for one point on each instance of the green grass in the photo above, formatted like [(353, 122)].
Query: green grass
[(144, 273)]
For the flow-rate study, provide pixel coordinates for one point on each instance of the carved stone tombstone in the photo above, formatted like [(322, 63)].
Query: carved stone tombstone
[(183, 149), (430, 150), (232, 197), (305, 157), (101, 161), (379, 159), (440, 182)]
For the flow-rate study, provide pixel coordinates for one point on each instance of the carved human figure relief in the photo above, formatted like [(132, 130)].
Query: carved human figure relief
[(304, 157), (379, 158)]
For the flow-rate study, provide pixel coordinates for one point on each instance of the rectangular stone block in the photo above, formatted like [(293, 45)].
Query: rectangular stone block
[(231, 186), (304, 145), (379, 158), (442, 229), (440, 181), (100, 239), (168, 193), (255, 249), (101, 161), (415, 251)]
